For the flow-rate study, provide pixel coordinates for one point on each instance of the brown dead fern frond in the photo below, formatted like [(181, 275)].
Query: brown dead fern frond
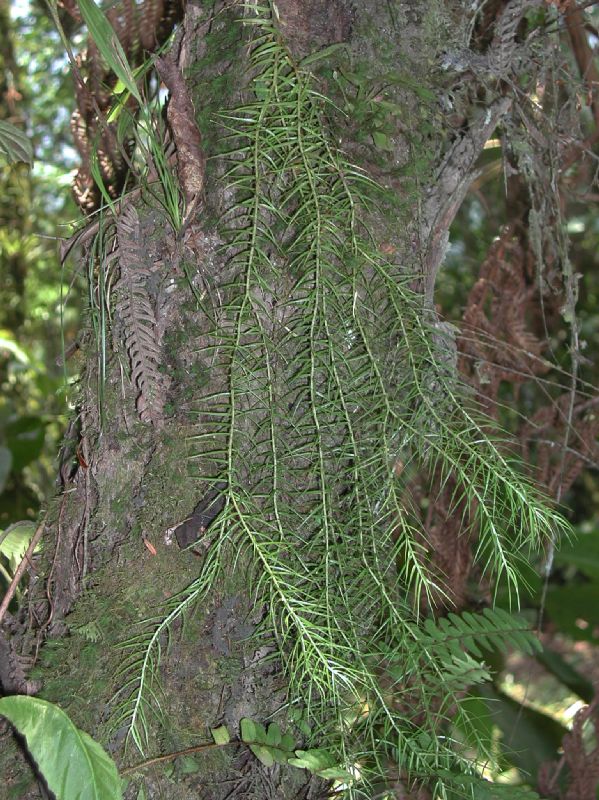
[(141, 28), (134, 306), (497, 343), (580, 757), (544, 432)]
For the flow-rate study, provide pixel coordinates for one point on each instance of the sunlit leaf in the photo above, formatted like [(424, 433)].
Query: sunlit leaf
[(252, 731), (263, 754), (220, 735), (9, 344), (16, 542)]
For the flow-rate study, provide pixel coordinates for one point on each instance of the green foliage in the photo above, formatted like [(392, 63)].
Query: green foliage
[(272, 746), (220, 735), (269, 746), (453, 635), (14, 144), (32, 207), (529, 737), (75, 767), (27, 430), (137, 677), (322, 763), (151, 137), (335, 372), (14, 542), (476, 788), (106, 41), (449, 644), (571, 600), (365, 99)]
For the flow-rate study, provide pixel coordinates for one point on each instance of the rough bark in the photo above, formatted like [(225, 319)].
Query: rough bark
[(110, 557)]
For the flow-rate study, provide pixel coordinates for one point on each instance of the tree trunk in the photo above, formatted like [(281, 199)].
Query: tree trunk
[(156, 490)]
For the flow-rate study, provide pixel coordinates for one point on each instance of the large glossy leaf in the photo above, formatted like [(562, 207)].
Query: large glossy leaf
[(14, 144), (73, 765)]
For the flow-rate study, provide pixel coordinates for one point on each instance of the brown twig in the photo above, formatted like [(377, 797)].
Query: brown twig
[(170, 756), (21, 569)]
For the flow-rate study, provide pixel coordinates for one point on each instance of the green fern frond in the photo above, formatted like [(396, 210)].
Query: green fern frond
[(493, 628)]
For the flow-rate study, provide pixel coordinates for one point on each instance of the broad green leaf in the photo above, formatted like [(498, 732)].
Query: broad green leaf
[(266, 746), (73, 765), (17, 540), (312, 759), (335, 774), (485, 790), (280, 756), (252, 731), (322, 763), (573, 608), (188, 765), (220, 735), (14, 144), (381, 140), (273, 737), (105, 39), (480, 789), (263, 754)]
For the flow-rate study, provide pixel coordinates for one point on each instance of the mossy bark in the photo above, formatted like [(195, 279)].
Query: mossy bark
[(99, 576)]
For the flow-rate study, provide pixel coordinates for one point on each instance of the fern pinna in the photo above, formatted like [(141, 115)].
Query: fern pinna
[(336, 372)]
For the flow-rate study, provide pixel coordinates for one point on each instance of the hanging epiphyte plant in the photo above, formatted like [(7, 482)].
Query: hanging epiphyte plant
[(336, 374)]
